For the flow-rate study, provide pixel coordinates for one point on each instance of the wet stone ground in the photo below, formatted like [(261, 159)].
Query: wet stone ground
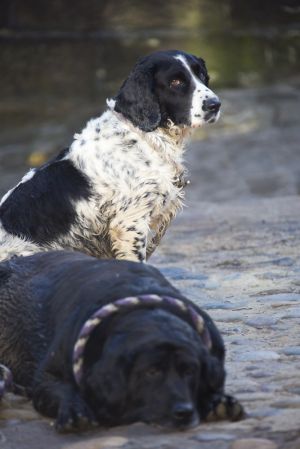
[(236, 253)]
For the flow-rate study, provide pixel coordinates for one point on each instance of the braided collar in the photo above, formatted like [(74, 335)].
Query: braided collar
[(110, 309)]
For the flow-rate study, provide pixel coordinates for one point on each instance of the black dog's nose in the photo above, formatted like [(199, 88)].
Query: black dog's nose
[(211, 105), (183, 411)]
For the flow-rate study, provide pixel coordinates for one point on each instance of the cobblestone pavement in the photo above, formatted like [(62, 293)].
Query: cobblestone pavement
[(241, 263)]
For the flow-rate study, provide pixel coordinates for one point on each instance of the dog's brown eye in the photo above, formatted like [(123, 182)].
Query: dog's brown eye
[(176, 83), (187, 370), (153, 372)]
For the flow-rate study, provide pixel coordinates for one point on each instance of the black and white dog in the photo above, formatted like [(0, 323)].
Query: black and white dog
[(110, 342), (115, 190)]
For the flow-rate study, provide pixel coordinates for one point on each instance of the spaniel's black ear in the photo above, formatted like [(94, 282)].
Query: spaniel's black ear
[(136, 99)]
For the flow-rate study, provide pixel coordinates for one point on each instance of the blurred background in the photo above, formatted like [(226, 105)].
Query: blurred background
[(61, 59)]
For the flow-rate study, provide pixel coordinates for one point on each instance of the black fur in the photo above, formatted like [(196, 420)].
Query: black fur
[(145, 97), (136, 99), (41, 208), (147, 364)]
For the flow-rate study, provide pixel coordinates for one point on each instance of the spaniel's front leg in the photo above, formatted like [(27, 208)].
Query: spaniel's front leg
[(128, 237)]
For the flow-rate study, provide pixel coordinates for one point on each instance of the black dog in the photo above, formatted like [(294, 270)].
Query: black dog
[(111, 342)]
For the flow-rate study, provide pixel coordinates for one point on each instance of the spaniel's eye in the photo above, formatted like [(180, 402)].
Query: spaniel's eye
[(176, 83), (153, 372)]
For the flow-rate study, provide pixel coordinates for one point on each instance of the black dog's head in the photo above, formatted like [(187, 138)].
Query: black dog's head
[(153, 367), (168, 85)]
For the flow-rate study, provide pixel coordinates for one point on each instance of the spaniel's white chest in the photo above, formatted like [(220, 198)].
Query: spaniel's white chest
[(134, 181)]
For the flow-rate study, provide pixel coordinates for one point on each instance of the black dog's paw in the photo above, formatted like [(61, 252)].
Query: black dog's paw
[(74, 415), (225, 407)]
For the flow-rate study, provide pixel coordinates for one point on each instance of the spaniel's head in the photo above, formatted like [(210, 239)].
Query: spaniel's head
[(168, 87), (155, 368)]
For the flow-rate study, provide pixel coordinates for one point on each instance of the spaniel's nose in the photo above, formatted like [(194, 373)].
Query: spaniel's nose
[(183, 412), (211, 105)]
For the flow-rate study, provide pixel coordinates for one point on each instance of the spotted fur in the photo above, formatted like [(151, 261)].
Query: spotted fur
[(114, 192)]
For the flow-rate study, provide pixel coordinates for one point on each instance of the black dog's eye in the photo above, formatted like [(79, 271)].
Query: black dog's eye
[(187, 370), (176, 83), (152, 372)]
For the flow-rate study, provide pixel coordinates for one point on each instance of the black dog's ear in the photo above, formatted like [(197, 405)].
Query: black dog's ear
[(211, 383), (136, 99), (213, 403), (214, 373), (105, 390)]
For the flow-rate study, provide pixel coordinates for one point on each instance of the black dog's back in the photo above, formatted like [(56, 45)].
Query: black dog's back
[(22, 336)]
